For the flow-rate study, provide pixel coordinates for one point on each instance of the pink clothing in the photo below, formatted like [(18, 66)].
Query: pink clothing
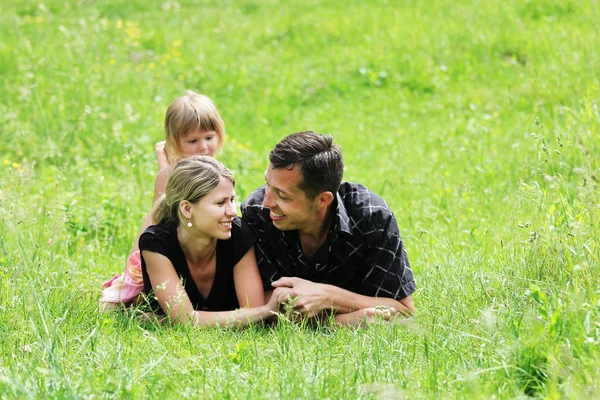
[(127, 287)]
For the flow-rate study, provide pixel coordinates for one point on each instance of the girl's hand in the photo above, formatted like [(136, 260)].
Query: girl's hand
[(161, 155)]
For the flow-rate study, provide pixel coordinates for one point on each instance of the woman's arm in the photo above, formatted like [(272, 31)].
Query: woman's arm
[(176, 304), (248, 284)]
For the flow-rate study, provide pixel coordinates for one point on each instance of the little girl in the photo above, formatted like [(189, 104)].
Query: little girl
[(193, 126)]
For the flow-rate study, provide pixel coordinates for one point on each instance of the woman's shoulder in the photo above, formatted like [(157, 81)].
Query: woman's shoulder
[(239, 225), (242, 239), (241, 232), (160, 230), (161, 235)]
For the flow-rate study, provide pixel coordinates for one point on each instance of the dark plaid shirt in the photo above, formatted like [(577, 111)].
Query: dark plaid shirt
[(363, 252)]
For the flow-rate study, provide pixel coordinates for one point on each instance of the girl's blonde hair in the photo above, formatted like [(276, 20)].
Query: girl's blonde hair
[(192, 112), (191, 179)]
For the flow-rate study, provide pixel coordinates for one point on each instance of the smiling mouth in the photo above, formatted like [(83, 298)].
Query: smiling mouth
[(275, 217), (226, 224)]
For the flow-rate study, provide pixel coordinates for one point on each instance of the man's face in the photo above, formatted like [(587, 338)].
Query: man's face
[(290, 208)]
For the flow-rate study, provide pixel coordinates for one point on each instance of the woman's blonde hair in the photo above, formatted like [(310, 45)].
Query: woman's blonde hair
[(191, 179), (192, 112)]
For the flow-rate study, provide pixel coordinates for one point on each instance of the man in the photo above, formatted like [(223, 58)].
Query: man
[(333, 246)]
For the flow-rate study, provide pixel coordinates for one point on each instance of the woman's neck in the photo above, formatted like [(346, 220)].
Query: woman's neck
[(198, 249)]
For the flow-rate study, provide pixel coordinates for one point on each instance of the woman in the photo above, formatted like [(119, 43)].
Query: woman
[(198, 262)]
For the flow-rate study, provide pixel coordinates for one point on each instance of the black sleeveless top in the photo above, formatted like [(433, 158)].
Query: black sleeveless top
[(222, 297)]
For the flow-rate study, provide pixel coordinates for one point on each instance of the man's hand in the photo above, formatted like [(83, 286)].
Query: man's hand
[(367, 316), (310, 298)]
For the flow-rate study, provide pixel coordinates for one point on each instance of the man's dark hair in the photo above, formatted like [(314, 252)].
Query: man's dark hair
[(320, 161)]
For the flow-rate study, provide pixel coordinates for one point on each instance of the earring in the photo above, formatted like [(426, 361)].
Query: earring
[(189, 224)]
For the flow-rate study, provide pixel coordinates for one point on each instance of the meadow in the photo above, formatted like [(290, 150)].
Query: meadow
[(478, 122)]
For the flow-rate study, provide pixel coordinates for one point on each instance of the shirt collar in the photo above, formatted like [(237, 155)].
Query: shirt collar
[(341, 218)]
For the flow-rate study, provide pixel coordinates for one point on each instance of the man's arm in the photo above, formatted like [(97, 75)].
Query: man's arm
[(365, 316), (387, 278), (313, 298)]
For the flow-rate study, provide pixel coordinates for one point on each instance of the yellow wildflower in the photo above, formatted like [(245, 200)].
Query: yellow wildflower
[(113, 61), (132, 29), (6, 162), (16, 165)]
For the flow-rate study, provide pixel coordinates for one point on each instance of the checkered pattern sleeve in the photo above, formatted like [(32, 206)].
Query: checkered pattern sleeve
[(389, 273)]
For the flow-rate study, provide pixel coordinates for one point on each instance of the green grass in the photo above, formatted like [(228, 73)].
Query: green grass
[(478, 122)]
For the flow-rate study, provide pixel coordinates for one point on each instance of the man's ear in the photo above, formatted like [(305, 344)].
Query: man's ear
[(185, 208), (325, 199)]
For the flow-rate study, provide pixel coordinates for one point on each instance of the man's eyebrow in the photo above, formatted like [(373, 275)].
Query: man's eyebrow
[(276, 189)]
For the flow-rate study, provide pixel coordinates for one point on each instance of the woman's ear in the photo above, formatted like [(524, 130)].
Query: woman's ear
[(185, 208)]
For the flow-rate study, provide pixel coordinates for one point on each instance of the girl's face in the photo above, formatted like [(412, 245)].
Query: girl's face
[(197, 143)]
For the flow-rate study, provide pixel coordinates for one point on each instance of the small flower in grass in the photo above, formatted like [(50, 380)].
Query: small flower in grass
[(6, 162), (234, 357), (16, 165), (113, 61)]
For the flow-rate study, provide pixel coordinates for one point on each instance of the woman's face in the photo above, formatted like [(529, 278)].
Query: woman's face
[(212, 215)]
